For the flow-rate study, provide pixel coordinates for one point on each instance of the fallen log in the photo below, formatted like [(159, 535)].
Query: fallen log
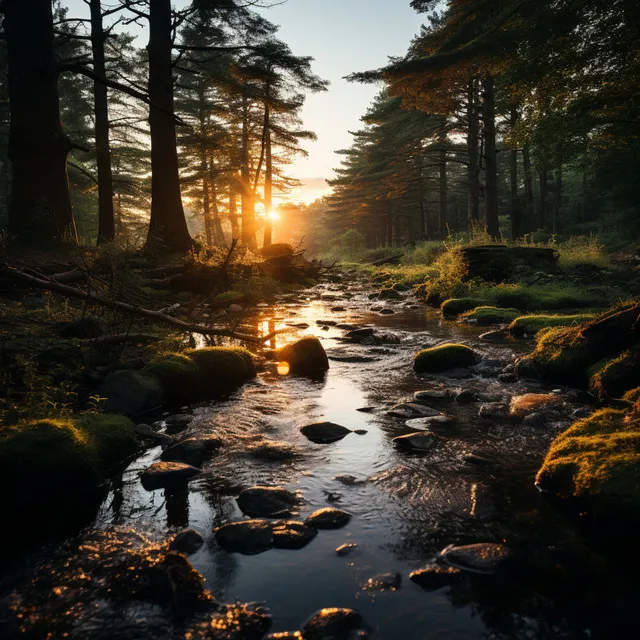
[(71, 292)]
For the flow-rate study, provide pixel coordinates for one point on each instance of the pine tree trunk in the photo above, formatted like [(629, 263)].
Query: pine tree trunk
[(473, 170), (514, 202), (557, 203), (528, 190), (106, 223), (542, 215), (168, 225), (444, 189), (206, 204), (423, 211), (218, 233), (268, 180), (40, 204), (491, 165), (389, 224), (233, 210), (248, 203)]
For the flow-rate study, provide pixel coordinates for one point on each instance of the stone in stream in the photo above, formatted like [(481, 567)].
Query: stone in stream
[(178, 423), (328, 518), (335, 624), (484, 557), (465, 395), (163, 475), (419, 441), (347, 326), (186, 541), (494, 336), (494, 410), (383, 582), (435, 576), (358, 335), (539, 419), (507, 378), (272, 451), (366, 409), (326, 323), (289, 534), (192, 451), (412, 410), (324, 432), (247, 536), (306, 356), (426, 395), (147, 431), (348, 480), (387, 312), (347, 549), (267, 502), (435, 422), (338, 309), (360, 432), (526, 404)]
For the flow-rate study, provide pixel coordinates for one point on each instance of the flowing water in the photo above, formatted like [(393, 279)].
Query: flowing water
[(405, 507)]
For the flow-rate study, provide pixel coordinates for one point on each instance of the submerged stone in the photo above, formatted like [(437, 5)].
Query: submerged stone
[(325, 432), (247, 536), (272, 451), (435, 576), (347, 549), (267, 502), (383, 582), (435, 422), (186, 541), (328, 518), (483, 557), (192, 451), (412, 410), (419, 441), (289, 534), (335, 624), (163, 475)]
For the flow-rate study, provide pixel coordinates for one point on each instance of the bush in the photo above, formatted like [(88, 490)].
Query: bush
[(443, 357)]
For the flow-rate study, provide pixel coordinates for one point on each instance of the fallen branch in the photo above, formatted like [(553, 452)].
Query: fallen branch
[(71, 292)]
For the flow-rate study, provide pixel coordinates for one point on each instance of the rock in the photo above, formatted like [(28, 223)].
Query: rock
[(444, 357), (383, 582), (186, 541), (348, 480), (347, 549), (465, 395), (289, 534), (435, 576), (522, 406), (147, 431), (247, 536), (360, 432), (347, 326), (267, 502), (386, 312), (338, 309), (335, 624), (358, 335), (324, 432), (164, 475), (539, 419), (494, 336), (366, 409), (192, 451), (178, 423), (431, 394), (484, 557), (272, 451), (411, 410), (306, 356), (419, 441), (131, 393), (235, 308), (435, 422), (328, 518), (493, 410), (508, 378), (390, 294), (326, 323)]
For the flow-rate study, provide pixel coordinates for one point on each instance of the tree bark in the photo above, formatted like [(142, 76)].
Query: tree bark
[(168, 225), (233, 209), (268, 180), (206, 205), (491, 165), (40, 204), (106, 222), (216, 223), (247, 199), (444, 187), (528, 190), (473, 170), (542, 215), (514, 201)]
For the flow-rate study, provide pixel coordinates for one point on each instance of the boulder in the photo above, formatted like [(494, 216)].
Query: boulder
[(186, 541), (247, 536), (132, 393), (324, 432), (289, 534), (444, 357), (335, 624), (192, 451), (484, 557), (524, 405), (435, 576), (167, 475), (267, 502), (306, 356), (328, 518), (419, 441)]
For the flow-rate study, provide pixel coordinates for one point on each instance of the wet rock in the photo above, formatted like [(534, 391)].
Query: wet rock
[(192, 451), (325, 432), (494, 336), (434, 422), (272, 451), (348, 480), (376, 309), (186, 541), (390, 294), (412, 410), (305, 356), (326, 323), (484, 557), (163, 475), (507, 378), (427, 395), (386, 312), (383, 582), (338, 309), (335, 624), (522, 406), (366, 409), (360, 432), (490, 367), (479, 459), (358, 335), (494, 410), (347, 549), (178, 422), (347, 326), (289, 534), (540, 419), (247, 536), (298, 325), (267, 502), (131, 393), (419, 441), (148, 432), (435, 576), (328, 518), (465, 395)]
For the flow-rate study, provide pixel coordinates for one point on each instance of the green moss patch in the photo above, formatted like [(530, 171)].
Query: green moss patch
[(597, 461), (223, 368), (616, 376), (485, 316), (452, 308), (533, 324), (444, 357)]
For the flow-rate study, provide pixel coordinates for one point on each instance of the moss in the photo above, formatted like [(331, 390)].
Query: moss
[(632, 396), (443, 357), (597, 461), (485, 316), (222, 368), (452, 308), (132, 393), (614, 377), (531, 325), (179, 375)]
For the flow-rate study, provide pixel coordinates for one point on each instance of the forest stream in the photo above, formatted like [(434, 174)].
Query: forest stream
[(475, 485)]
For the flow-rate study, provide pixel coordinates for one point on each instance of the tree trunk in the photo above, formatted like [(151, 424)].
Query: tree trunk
[(106, 222), (444, 187), (514, 201), (423, 211), (268, 180), (168, 225), (557, 201), (248, 203), (473, 170), (542, 216), (491, 165), (40, 205), (528, 190), (206, 204), (233, 209), (389, 224), (216, 223)]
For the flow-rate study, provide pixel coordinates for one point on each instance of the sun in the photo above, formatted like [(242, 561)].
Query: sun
[(274, 215)]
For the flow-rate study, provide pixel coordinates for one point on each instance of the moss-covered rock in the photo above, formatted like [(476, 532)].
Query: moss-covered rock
[(486, 316), (444, 357), (228, 298), (223, 368), (179, 375), (132, 393), (616, 376), (533, 324), (597, 462), (452, 308), (306, 356), (390, 294)]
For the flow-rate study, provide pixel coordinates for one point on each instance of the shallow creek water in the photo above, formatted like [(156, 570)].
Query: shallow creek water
[(406, 508)]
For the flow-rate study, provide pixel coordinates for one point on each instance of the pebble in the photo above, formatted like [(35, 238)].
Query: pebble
[(347, 549), (484, 557)]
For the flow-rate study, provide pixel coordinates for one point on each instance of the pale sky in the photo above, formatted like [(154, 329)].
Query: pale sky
[(343, 36)]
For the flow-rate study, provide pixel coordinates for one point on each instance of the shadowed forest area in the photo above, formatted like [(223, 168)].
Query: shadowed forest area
[(407, 406)]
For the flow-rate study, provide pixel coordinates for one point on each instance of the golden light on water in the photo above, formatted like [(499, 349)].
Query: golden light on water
[(283, 368)]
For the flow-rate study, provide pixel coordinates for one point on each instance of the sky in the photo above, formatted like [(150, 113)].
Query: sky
[(343, 36)]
